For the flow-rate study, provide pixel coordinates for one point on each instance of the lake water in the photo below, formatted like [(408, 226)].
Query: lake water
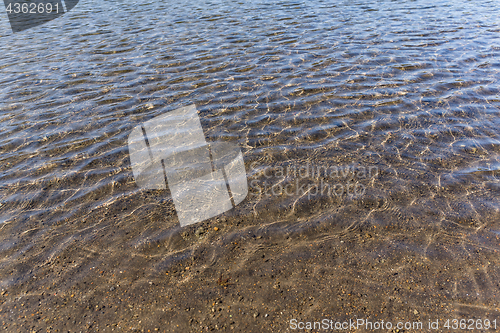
[(370, 132)]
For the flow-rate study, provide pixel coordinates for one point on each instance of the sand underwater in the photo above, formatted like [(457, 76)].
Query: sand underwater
[(370, 138)]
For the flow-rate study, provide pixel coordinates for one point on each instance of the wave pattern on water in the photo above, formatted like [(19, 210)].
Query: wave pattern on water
[(407, 88)]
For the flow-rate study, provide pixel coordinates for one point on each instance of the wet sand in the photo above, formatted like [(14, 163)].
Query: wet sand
[(248, 273), (409, 88)]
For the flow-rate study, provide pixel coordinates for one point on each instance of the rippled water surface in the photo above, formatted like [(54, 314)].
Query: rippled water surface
[(397, 100)]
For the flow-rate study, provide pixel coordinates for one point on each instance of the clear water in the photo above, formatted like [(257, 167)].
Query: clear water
[(405, 89)]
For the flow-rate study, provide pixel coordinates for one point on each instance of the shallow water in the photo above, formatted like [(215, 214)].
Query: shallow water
[(397, 100)]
